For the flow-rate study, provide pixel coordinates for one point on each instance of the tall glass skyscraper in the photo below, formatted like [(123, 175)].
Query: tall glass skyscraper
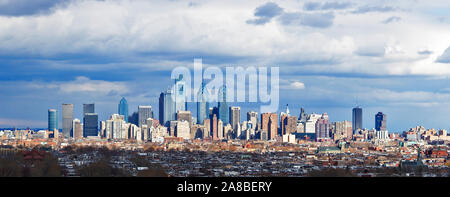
[(90, 124), (166, 107), (202, 104), (180, 94), (235, 117), (67, 117), (52, 119), (145, 112), (123, 109), (222, 104), (356, 118), (380, 121)]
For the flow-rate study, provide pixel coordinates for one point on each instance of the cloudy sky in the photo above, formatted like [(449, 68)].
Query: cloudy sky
[(390, 56)]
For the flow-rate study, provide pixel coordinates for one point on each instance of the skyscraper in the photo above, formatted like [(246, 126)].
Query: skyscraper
[(167, 111), (52, 120), (380, 121), (356, 118), (145, 112), (180, 94), (202, 104), (77, 129), (269, 124), (67, 117), (185, 115), (90, 124), (235, 118), (303, 116), (252, 117), (214, 128), (223, 106), (323, 127), (123, 109)]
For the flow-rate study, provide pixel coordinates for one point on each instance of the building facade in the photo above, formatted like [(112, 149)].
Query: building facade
[(52, 119), (380, 121), (67, 118), (145, 112), (123, 109), (357, 119)]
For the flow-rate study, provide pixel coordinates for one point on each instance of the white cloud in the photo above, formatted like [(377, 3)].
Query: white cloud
[(84, 85), (297, 85), (123, 28)]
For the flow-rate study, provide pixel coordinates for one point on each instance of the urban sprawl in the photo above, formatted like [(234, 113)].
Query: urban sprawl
[(216, 143)]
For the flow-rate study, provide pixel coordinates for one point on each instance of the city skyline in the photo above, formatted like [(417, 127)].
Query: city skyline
[(389, 57)]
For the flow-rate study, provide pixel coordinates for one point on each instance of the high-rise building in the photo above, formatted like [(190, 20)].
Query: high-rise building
[(88, 108), (252, 118), (183, 129), (90, 124), (214, 128), (123, 109), (167, 111), (380, 121), (134, 118), (342, 130), (114, 127), (67, 117), (202, 104), (180, 94), (235, 119), (77, 129), (185, 115), (303, 116), (223, 106), (357, 118), (310, 124), (288, 124), (52, 120), (145, 112), (269, 124), (323, 128)]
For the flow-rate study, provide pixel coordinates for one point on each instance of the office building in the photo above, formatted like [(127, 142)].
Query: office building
[(185, 115), (123, 109), (52, 120), (144, 112), (223, 106), (180, 94), (202, 104), (67, 118), (252, 118), (183, 129), (269, 124), (323, 128), (357, 119), (380, 121), (167, 111), (77, 129), (235, 119), (90, 124)]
